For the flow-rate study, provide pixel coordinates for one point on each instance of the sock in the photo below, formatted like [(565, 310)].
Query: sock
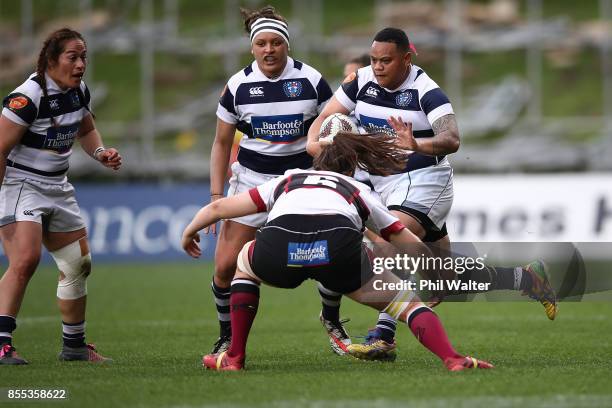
[(331, 303), (243, 303), (222, 301), (499, 277), (429, 331), (73, 334), (522, 280), (8, 324), (386, 326)]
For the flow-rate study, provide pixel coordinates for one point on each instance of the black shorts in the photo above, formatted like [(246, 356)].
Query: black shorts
[(327, 248)]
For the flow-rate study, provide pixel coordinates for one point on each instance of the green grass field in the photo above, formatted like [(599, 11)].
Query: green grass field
[(156, 321)]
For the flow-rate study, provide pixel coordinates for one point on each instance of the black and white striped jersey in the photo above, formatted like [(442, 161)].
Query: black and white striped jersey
[(419, 100), (45, 148), (274, 115)]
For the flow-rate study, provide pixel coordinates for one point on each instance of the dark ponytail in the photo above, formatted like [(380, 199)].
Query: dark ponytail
[(375, 153)]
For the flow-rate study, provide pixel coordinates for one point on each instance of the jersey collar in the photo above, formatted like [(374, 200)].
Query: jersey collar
[(288, 67), (407, 82)]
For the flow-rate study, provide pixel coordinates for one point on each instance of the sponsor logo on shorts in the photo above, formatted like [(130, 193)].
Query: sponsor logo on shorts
[(278, 129), (18, 102), (28, 212), (292, 89), (256, 91), (308, 253)]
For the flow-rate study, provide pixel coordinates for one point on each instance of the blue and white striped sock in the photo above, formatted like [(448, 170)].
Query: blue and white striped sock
[(73, 334)]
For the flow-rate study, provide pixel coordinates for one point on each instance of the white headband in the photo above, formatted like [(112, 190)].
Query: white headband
[(269, 25)]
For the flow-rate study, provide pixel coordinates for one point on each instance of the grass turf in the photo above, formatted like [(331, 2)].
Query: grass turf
[(156, 321)]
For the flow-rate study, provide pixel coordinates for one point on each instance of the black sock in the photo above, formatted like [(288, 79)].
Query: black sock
[(526, 281), (222, 301), (7, 325), (73, 334), (330, 302), (499, 277)]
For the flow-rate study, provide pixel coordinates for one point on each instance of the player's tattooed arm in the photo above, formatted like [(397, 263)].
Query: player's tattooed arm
[(444, 141), (446, 136)]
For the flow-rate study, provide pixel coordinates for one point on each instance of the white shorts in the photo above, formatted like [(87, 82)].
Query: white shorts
[(242, 180), (428, 191), (52, 205)]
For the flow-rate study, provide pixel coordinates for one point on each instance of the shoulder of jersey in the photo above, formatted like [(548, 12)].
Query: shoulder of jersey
[(422, 76), (365, 74), (31, 89), (303, 70), (240, 77)]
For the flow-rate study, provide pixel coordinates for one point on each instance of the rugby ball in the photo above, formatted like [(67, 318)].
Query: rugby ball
[(336, 123)]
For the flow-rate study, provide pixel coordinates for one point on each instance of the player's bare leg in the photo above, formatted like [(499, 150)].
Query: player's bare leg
[(22, 245), (231, 239)]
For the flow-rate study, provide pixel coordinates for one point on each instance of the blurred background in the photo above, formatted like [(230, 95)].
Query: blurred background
[(530, 82)]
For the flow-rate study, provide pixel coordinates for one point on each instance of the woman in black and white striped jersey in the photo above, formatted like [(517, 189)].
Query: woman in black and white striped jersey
[(272, 102), (40, 121)]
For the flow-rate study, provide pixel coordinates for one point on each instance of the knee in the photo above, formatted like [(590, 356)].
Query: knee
[(75, 267), (225, 266), (224, 279)]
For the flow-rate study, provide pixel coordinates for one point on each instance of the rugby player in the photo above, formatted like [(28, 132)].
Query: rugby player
[(392, 95), (39, 123), (273, 102), (315, 220)]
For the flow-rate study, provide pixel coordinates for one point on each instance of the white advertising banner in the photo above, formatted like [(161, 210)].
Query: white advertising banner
[(551, 208)]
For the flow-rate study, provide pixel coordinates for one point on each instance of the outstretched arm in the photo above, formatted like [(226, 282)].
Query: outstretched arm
[(229, 207)]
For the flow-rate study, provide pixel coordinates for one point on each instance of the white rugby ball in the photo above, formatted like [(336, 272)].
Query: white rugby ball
[(336, 123)]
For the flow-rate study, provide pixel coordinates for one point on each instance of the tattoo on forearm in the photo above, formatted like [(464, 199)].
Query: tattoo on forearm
[(446, 123)]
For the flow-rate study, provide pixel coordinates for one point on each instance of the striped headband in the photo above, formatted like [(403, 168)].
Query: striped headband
[(269, 25)]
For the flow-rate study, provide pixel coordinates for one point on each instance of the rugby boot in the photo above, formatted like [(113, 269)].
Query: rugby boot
[(222, 362), (222, 344), (9, 356), (339, 339), (85, 353), (373, 348), (541, 289)]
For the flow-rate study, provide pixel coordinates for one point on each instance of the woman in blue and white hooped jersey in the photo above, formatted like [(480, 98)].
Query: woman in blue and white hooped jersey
[(40, 121), (396, 97), (273, 102)]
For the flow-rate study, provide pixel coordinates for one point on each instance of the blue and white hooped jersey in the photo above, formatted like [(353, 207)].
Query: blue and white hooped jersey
[(419, 100), (274, 115), (44, 149)]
